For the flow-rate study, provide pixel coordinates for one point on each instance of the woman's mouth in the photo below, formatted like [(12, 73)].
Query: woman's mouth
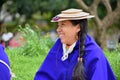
[(61, 35)]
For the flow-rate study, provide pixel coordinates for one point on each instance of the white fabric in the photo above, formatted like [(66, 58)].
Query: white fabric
[(7, 36), (66, 52)]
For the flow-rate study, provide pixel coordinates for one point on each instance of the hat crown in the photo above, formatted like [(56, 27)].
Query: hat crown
[(71, 11)]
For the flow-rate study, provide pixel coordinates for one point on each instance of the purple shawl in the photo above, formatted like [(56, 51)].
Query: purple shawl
[(95, 63)]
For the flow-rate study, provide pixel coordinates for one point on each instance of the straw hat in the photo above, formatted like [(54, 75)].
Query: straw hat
[(71, 14)]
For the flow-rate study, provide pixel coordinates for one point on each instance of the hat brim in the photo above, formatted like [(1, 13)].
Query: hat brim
[(73, 18)]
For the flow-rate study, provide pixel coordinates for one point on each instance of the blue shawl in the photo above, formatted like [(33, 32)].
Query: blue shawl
[(95, 63), (4, 71)]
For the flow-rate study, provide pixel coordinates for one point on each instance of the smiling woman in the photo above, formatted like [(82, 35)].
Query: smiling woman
[(75, 55)]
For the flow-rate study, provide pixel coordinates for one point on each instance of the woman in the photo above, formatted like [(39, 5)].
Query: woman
[(4, 65), (75, 55)]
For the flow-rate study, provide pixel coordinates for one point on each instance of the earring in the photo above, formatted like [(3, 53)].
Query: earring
[(76, 37)]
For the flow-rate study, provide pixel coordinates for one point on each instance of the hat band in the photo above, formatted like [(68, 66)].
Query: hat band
[(71, 17), (56, 18), (71, 12)]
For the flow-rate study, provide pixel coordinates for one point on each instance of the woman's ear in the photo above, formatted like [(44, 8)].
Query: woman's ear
[(78, 27)]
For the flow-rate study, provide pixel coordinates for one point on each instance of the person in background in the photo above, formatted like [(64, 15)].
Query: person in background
[(6, 38), (4, 65), (75, 55)]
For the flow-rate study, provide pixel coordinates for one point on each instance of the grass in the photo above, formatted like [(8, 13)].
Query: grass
[(114, 60), (26, 60), (24, 67)]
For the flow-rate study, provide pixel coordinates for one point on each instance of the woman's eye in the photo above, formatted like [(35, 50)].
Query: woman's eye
[(63, 24)]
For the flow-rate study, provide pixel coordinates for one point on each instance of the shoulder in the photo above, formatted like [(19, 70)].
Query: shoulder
[(92, 50)]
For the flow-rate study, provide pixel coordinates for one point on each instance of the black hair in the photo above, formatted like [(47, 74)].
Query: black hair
[(79, 72)]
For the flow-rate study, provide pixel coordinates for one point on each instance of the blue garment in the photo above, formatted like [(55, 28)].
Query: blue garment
[(95, 64), (4, 71)]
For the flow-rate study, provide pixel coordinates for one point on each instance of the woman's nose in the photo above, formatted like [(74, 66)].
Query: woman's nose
[(58, 29)]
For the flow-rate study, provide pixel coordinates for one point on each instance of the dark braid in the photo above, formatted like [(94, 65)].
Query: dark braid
[(79, 73)]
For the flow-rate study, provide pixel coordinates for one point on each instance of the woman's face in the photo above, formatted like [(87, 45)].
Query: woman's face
[(67, 32)]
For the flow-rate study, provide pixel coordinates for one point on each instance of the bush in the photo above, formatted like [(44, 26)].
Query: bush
[(36, 43)]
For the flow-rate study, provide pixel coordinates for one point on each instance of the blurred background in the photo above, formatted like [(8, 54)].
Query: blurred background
[(26, 30), (105, 27)]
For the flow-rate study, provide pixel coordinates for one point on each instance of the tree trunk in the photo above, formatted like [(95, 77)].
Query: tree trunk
[(101, 25)]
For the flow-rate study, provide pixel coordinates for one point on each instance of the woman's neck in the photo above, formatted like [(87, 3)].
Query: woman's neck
[(71, 43)]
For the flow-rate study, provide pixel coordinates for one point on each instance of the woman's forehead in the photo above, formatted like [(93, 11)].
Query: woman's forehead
[(66, 21)]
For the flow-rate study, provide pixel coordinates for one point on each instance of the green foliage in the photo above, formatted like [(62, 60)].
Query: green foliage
[(25, 60), (114, 59), (35, 43), (44, 10), (29, 7), (24, 67), (88, 2), (1, 3), (113, 4), (23, 7), (101, 11)]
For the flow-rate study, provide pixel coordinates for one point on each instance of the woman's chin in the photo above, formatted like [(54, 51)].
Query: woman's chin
[(62, 41)]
